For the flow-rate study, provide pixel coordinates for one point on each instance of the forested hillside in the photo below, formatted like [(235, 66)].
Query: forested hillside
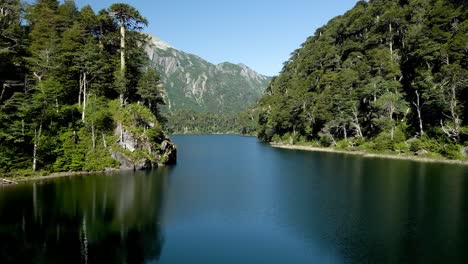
[(76, 92), (191, 122), (386, 76)]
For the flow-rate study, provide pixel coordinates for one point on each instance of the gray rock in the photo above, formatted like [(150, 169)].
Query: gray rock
[(164, 145), (165, 154), (422, 152), (125, 162), (169, 153), (128, 141), (464, 151), (144, 165)]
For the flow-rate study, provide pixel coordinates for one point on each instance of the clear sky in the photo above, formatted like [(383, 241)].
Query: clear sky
[(258, 33)]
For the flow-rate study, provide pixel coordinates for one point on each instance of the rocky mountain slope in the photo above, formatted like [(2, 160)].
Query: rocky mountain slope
[(192, 83)]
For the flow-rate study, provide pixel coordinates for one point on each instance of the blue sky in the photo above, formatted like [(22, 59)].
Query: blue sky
[(258, 33)]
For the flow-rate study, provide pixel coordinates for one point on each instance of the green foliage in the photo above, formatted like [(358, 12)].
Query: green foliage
[(151, 91), (58, 92), (191, 122), (382, 72)]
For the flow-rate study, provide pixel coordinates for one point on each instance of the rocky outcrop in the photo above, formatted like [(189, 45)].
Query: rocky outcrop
[(140, 142), (422, 152), (464, 151), (169, 151), (140, 152)]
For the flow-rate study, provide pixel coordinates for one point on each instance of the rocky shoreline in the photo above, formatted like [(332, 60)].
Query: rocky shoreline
[(366, 154)]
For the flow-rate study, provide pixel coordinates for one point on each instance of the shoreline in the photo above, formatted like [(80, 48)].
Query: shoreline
[(367, 154), (12, 181)]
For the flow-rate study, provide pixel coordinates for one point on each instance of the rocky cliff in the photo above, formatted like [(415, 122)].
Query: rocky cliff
[(141, 142), (192, 83)]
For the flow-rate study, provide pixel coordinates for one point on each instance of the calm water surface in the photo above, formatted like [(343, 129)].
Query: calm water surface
[(232, 199)]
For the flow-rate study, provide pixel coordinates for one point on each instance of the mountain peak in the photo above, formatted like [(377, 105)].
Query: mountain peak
[(193, 83), (159, 44)]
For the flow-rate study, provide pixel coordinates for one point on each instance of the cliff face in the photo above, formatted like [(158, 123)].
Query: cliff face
[(141, 142), (192, 83)]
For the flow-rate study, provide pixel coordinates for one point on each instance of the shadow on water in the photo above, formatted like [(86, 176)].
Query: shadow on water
[(94, 219)]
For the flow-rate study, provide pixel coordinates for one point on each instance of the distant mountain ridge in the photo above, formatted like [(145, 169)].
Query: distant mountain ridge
[(192, 83)]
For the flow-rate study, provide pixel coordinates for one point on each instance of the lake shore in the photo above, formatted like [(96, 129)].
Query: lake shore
[(367, 154), (17, 180)]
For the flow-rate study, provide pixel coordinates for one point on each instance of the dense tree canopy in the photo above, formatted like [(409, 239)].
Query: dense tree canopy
[(58, 81), (383, 72)]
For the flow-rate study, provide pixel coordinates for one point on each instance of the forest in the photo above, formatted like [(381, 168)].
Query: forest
[(387, 76), (68, 78), (191, 122)]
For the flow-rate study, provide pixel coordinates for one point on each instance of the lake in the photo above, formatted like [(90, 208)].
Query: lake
[(233, 199)]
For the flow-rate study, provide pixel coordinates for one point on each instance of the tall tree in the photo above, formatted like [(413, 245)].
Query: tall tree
[(128, 18)]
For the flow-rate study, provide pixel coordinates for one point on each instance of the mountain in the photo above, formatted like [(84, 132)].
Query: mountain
[(192, 83)]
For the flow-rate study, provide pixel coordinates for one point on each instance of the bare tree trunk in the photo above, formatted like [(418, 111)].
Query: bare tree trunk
[(453, 131), (37, 138), (85, 99), (356, 124), (3, 91), (345, 133), (104, 140), (392, 130), (122, 56), (81, 90), (333, 139), (417, 104)]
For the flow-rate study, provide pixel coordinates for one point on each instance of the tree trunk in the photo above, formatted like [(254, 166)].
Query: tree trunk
[(392, 130), (85, 95), (417, 104), (104, 140), (81, 90), (3, 91), (345, 133), (453, 131), (37, 138), (122, 56), (333, 139), (356, 124)]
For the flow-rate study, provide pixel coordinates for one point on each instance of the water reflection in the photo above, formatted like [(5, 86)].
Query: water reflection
[(373, 209), (233, 200), (98, 219)]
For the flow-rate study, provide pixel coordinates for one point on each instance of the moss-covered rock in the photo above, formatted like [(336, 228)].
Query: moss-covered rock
[(141, 143)]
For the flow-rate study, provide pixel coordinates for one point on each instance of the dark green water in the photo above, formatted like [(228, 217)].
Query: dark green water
[(234, 200)]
